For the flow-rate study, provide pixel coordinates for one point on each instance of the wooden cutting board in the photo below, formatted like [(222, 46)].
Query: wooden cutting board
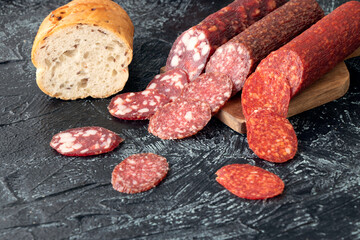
[(331, 86)]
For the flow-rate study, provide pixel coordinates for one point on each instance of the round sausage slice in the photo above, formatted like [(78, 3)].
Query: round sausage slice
[(212, 88), (85, 141), (137, 105), (271, 136), (139, 173), (249, 182), (266, 89), (180, 119), (170, 83)]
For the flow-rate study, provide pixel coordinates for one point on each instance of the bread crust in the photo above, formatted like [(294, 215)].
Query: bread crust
[(104, 13)]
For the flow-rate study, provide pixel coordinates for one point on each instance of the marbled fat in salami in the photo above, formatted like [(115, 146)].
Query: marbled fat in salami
[(193, 48), (180, 119), (139, 173), (249, 182), (271, 136), (137, 105), (317, 50), (266, 89), (170, 83), (212, 88), (239, 56), (85, 141)]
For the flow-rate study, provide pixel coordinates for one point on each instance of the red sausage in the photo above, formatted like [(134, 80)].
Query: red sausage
[(266, 89), (180, 119), (317, 50), (85, 141), (249, 182), (137, 105), (139, 173), (170, 83), (212, 88), (193, 48), (271, 136), (239, 56)]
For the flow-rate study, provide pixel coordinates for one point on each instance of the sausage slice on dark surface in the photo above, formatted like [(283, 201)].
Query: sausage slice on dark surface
[(139, 173), (249, 182), (85, 141)]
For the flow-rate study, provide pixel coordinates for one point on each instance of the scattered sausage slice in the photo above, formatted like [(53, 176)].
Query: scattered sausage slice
[(266, 89), (271, 136), (193, 48), (137, 105), (212, 88), (139, 173), (239, 56), (170, 83), (319, 49), (180, 119), (250, 182), (85, 141)]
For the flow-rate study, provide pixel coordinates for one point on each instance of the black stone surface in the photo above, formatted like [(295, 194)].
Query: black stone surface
[(44, 195)]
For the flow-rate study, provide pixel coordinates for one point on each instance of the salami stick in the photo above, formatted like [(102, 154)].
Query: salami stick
[(193, 48), (239, 57), (317, 50)]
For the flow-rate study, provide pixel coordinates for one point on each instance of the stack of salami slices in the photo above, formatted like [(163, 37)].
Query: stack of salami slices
[(285, 72), (181, 101)]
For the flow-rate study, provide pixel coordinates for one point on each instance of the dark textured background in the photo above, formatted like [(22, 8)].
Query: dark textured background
[(44, 195)]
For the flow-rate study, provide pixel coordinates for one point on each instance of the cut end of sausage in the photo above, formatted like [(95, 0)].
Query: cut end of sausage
[(190, 52), (234, 60)]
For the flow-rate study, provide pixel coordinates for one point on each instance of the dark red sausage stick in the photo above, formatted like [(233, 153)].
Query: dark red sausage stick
[(239, 57), (317, 50), (193, 48)]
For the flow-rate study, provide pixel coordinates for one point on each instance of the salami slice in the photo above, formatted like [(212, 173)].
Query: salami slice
[(170, 83), (85, 141), (250, 182), (180, 119), (212, 88), (271, 136), (239, 56), (266, 89), (139, 173), (193, 48), (137, 105), (317, 50)]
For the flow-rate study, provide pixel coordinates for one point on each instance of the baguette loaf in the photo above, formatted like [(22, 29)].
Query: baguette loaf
[(83, 49)]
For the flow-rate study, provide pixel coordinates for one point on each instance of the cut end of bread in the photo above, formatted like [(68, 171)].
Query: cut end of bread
[(82, 61)]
